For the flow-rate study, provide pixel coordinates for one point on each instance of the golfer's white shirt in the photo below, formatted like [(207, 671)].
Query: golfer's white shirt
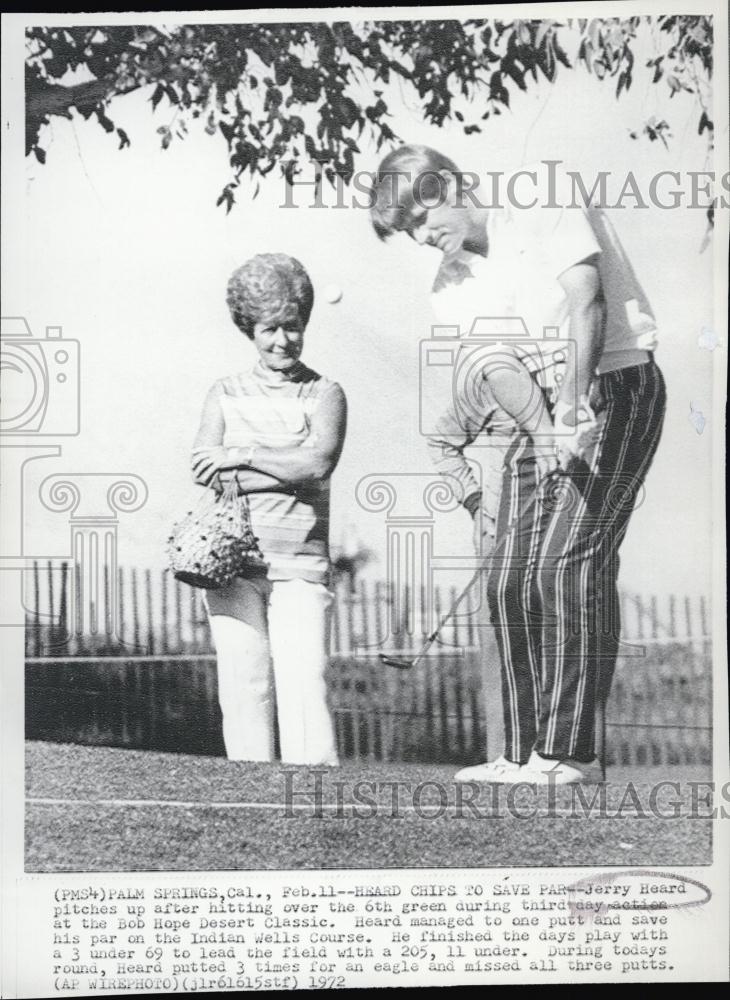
[(528, 250)]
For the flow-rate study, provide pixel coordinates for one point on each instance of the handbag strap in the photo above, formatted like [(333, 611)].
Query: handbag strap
[(238, 502), (230, 490)]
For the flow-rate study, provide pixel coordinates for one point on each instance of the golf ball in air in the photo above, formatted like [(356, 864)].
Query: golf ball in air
[(332, 293)]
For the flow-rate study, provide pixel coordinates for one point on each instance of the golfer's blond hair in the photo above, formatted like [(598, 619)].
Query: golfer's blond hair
[(407, 175)]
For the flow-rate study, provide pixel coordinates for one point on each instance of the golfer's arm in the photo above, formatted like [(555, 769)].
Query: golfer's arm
[(586, 311), (446, 448), (516, 392), (313, 462)]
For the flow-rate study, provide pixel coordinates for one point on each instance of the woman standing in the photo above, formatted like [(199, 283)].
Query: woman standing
[(279, 430)]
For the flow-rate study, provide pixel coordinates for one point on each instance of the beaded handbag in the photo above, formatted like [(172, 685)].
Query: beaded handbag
[(214, 542)]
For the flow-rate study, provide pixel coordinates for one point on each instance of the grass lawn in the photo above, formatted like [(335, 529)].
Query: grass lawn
[(105, 809)]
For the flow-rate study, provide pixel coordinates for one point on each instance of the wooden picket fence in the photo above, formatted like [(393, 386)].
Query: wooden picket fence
[(144, 675)]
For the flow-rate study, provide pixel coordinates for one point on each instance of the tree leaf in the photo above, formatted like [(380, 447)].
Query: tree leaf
[(560, 55), (517, 76), (157, 95), (542, 31), (106, 123), (704, 123)]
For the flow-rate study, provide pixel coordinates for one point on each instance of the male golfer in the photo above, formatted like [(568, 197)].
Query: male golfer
[(552, 573)]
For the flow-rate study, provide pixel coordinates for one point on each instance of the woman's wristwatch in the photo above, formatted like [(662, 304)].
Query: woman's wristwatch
[(248, 456)]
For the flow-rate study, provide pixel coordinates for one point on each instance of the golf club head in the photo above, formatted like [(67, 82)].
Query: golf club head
[(394, 661)]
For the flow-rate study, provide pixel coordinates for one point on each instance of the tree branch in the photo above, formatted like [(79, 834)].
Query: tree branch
[(44, 100)]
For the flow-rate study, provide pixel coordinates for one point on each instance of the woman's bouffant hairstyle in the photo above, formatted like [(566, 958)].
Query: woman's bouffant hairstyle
[(271, 287)]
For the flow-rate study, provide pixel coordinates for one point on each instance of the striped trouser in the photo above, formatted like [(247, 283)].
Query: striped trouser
[(551, 584)]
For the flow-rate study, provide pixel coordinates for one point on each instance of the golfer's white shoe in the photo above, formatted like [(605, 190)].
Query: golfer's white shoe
[(500, 771), (540, 771)]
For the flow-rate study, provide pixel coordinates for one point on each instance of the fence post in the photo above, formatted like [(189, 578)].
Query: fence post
[(164, 614), (63, 603), (357, 726), (386, 709), (634, 753), (193, 618), (653, 683), (677, 744), (458, 681), (51, 630), (442, 692), (135, 610), (706, 685), (36, 610), (369, 676)]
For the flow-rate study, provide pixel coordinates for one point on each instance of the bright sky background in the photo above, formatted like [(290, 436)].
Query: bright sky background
[(128, 253)]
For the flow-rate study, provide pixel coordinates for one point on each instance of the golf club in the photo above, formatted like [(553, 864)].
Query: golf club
[(401, 663)]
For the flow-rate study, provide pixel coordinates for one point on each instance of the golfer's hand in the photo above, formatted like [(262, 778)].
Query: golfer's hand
[(546, 462), (485, 530), (208, 462), (642, 325), (577, 434), (596, 398)]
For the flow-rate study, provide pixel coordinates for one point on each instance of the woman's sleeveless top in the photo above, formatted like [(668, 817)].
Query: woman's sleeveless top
[(292, 527)]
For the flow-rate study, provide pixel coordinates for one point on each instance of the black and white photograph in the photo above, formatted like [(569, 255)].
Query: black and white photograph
[(363, 387)]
